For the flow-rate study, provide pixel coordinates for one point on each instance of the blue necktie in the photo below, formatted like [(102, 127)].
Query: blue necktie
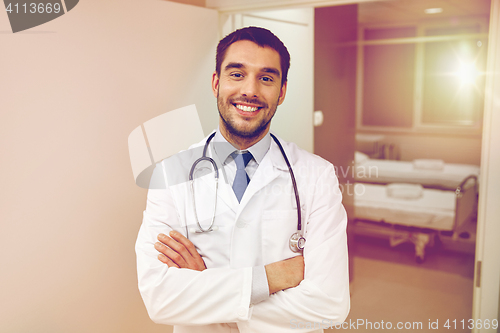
[(241, 179)]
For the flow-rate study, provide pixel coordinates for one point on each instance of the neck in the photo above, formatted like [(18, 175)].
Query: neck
[(241, 142)]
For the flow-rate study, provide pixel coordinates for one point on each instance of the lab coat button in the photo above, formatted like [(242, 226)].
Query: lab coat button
[(241, 224), (242, 312)]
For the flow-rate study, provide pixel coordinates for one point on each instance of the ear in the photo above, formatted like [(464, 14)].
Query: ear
[(215, 83), (282, 93)]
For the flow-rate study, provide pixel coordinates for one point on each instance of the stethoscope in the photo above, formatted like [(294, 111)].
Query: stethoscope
[(297, 241)]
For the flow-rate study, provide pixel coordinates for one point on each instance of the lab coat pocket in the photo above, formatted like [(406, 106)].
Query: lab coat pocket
[(277, 228)]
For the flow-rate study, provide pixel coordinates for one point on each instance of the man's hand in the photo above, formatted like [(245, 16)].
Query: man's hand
[(178, 251), (285, 274)]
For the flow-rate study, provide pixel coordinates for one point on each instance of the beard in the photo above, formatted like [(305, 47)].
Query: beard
[(231, 122)]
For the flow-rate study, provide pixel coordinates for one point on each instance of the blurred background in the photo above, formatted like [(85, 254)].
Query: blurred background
[(399, 95)]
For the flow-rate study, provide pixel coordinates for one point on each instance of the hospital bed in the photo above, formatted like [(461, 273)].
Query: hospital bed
[(410, 212), (428, 173)]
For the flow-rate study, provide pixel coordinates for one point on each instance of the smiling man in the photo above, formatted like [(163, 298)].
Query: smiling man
[(246, 272), (248, 88)]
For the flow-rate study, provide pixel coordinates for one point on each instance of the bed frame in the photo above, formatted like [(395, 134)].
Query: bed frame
[(466, 198)]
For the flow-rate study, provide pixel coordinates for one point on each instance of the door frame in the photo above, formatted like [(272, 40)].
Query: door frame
[(486, 296)]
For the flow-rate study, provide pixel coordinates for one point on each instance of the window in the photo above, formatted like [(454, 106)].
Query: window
[(388, 80), (453, 85), (421, 77)]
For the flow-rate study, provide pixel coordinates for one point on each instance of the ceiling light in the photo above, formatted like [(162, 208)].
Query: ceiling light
[(433, 10)]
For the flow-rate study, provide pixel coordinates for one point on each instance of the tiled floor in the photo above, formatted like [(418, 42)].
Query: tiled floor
[(389, 286)]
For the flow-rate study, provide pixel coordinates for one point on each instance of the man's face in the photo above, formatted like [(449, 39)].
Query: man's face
[(248, 90)]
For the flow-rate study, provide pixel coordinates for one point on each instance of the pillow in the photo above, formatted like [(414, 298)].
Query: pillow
[(360, 157), (424, 164)]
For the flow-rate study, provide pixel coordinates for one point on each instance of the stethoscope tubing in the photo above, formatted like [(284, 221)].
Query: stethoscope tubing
[(296, 238), (191, 184)]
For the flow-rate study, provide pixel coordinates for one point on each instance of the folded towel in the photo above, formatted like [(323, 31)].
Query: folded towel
[(428, 164), (405, 191)]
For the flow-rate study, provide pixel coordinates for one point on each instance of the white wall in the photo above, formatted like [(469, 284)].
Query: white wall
[(295, 27), (71, 91), (487, 290)]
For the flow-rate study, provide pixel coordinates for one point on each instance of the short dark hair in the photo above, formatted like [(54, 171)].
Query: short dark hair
[(259, 36)]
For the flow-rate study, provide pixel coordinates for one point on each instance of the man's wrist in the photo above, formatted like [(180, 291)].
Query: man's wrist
[(285, 274), (260, 286), (275, 280)]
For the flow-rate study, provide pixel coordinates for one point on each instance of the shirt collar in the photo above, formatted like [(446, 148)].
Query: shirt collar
[(258, 150)]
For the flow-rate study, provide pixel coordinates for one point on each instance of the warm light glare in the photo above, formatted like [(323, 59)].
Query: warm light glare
[(467, 73), (433, 10)]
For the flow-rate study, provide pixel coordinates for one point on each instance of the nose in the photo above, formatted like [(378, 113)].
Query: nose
[(250, 87)]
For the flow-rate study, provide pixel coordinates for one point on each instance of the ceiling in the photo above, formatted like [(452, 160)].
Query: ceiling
[(370, 11), (413, 10)]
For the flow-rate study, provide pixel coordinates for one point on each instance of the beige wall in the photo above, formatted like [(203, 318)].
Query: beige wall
[(71, 91)]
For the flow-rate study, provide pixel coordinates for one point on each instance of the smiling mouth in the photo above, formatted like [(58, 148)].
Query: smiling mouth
[(246, 108)]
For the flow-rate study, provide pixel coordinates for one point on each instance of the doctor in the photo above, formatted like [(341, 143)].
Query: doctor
[(243, 276)]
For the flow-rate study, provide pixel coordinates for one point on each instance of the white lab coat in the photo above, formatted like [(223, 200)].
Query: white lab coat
[(251, 233)]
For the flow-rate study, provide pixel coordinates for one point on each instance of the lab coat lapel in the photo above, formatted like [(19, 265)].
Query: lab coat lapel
[(225, 191), (269, 169)]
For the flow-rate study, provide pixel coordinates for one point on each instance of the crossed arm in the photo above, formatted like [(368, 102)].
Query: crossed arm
[(187, 296), (178, 251)]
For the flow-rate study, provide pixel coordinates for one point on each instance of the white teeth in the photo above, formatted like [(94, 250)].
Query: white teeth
[(247, 108)]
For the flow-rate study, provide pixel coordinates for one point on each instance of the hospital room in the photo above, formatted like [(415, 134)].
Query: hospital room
[(401, 96)]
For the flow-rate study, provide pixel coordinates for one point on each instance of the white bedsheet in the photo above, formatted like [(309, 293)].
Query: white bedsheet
[(435, 209), (389, 171)]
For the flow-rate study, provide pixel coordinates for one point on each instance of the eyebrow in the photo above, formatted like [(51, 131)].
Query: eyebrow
[(270, 70), (233, 65)]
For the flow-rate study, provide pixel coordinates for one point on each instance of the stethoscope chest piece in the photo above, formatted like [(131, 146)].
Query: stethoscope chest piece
[(297, 242)]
